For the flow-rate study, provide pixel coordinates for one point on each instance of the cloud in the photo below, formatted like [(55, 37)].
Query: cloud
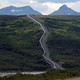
[(51, 7), (75, 6), (16, 2), (39, 7), (58, 1), (19, 2)]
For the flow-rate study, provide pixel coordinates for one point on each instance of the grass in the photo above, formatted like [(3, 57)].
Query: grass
[(64, 39), (20, 49), (50, 75)]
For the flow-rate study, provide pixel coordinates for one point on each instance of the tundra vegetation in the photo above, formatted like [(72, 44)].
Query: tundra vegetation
[(20, 49), (64, 39), (19, 45)]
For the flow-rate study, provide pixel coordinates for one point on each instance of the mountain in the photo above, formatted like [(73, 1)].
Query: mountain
[(11, 10), (64, 10)]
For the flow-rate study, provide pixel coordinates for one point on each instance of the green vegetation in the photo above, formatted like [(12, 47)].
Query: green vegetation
[(51, 75), (19, 45), (20, 49), (64, 39)]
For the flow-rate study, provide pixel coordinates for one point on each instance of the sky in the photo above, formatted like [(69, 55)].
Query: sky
[(43, 6)]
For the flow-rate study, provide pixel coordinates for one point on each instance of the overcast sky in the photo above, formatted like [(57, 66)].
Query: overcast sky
[(43, 6)]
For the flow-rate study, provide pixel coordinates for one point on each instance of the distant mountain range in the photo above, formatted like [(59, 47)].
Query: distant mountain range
[(64, 10), (12, 10)]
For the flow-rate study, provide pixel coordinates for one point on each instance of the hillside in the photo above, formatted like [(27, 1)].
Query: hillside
[(64, 39), (19, 45), (20, 49)]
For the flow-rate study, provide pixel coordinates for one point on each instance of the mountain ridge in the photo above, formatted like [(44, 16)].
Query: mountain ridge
[(12, 10), (65, 10)]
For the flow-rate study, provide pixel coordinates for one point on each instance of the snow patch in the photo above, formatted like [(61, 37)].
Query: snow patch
[(15, 10), (69, 13)]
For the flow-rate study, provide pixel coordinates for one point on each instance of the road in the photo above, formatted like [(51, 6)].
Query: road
[(46, 54), (43, 41)]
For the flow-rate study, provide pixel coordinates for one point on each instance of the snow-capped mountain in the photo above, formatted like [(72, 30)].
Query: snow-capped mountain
[(64, 10), (11, 10)]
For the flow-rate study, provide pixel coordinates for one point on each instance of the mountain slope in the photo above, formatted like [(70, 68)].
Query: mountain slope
[(11, 10), (64, 39), (64, 10), (20, 49)]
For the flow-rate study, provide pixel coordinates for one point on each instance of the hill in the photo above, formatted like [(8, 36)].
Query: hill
[(20, 49), (64, 39)]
